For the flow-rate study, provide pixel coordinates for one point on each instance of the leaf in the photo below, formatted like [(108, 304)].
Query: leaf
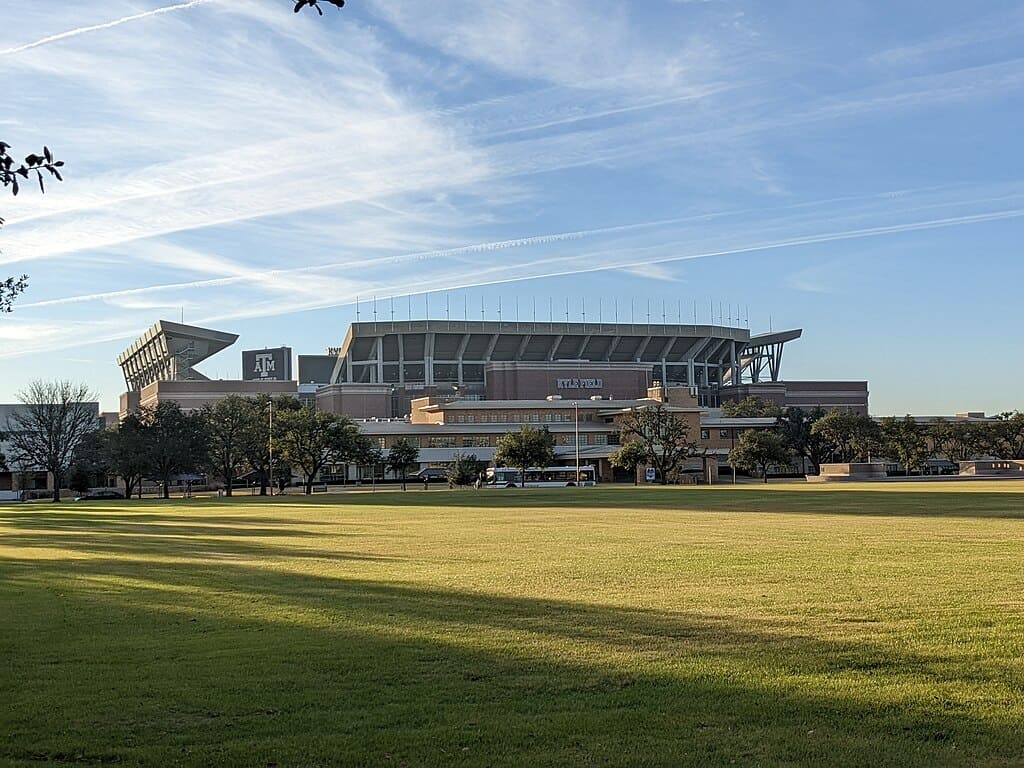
[(56, 173), (47, 154), (14, 185), (23, 171), (39, 175)]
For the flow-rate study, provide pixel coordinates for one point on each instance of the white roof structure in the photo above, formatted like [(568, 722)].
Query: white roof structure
[(169, 351)]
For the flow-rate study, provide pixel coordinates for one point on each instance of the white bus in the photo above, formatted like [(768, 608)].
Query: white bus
[(541, 477)]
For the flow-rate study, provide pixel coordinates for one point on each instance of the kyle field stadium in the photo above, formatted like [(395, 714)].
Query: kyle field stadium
[(454, 387)]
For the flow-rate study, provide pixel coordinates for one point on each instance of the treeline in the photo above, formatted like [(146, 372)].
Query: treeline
[(831, 436), (265, 439)]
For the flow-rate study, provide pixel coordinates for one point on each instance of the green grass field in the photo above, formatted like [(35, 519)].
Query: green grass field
[(787, 625)]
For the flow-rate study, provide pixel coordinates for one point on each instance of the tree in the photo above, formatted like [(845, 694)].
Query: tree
[(403, 458), (127, 453), (10, 172), (359, 449), (57, 416), (751, 407), (662, 436), (906, 441), (629, 457), (464, 469), (260, 446), (852, 437), (529, 447), (1009, 434), (758, 450), (309, 439), (90, 464), (175, 442), (796, 427), (9, 290), (228, 426)]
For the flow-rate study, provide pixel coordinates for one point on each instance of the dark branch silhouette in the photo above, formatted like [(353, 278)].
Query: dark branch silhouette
[(300, 4)]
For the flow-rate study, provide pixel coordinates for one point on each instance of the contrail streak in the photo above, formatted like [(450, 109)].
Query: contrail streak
[(542, 268), (97, 27)]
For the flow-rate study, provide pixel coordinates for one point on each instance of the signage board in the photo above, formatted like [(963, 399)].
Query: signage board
[(649, 474), (579, 383), (267, 364)]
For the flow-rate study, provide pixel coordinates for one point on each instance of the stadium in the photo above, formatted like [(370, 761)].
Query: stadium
[(453, 387)]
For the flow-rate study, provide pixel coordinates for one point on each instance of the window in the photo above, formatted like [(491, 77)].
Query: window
[(476, 441), (723, 433), (442, 442), (705, 434), (547, 417), (600, 439)]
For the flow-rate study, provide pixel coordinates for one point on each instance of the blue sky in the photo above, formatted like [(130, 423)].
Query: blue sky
[(851, 169)]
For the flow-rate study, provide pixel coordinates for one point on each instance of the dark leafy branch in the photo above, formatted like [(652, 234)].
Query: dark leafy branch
[(32, 164), (300, 4)]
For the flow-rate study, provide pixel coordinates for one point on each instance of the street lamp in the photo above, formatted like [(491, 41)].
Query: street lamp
[(270, 447), (576, 411)]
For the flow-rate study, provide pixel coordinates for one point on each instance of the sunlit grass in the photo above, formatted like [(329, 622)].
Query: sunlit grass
[(792, 624)]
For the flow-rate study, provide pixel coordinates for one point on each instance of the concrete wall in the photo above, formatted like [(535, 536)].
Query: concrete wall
[(357, 401), (193, 395), (576, 380)]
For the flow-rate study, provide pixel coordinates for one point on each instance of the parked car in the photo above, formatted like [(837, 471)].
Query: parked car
[(102, 493), (432, 474)]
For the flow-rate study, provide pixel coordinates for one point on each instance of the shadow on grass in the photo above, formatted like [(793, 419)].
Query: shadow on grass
[(954, 502), (198, 663), (170, 536)]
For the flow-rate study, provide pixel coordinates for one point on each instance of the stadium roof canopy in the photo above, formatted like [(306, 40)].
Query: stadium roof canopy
[(169, 351)]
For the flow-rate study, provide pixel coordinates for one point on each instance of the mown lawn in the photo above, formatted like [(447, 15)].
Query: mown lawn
[(787, 625)]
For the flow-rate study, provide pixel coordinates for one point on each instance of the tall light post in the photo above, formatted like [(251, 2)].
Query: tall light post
[(270, 448), (576, 411)]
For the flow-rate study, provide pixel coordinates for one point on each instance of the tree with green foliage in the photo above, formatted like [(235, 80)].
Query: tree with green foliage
[(229, 423), (955, 441), (464, 469), (630, 457), (758, 450), (751, 407), (529, 447), (90, 464), (175, 442), (906, 441), (795, 425), (662, 436), (853, 437), (361, 450), (403, 458), (309, 440), (1008, 434), (260, 448), (127, 454), (46, 430)]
